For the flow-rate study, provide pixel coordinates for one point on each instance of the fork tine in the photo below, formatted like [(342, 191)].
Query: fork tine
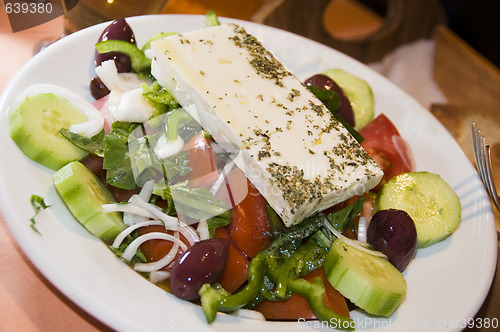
[(482, 159), (483, 162), (491, 181), (477, 148), (482, 165), (474, 136)]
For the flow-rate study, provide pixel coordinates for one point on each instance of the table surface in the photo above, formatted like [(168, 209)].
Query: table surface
[(28, 301)]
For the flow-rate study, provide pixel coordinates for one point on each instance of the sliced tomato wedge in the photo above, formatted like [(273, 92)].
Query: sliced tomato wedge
[(201, 161), (297, 307), (388, 149), (235, 273), (234, 189), (249, 227)]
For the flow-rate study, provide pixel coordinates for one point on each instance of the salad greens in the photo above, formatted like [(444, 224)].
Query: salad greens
[(130, 162), (197, 203), (38, 203), (275, 273), (94, 145)]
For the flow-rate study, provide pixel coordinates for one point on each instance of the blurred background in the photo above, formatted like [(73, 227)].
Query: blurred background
[(476, 22)]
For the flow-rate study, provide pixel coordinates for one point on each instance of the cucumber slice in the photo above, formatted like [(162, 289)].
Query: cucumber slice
[(34, 127), (359, 93), (83, 193), (370, 282), (428, 199)]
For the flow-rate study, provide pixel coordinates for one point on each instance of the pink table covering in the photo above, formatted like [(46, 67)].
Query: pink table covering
[(28, 302)]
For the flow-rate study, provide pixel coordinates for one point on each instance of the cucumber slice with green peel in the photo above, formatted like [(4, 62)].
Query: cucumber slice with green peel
[(34, 126), (428, 199), (359, 93), (370, 282), (84, 194)]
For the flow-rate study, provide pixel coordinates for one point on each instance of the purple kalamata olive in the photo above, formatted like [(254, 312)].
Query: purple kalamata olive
[(97, 88), (117, 30), (322, 81), (202, 263), (393, 233)]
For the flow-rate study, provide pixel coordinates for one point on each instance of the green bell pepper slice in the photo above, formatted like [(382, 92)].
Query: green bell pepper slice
[(138, 59)]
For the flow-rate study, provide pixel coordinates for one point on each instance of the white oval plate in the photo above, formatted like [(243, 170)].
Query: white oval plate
[(447, 283)]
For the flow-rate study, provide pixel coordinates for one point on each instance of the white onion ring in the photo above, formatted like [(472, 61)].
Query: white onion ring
[(248, 314), (129, 253), (113, 80), (130, 218), (123, 234), (157, 276), (145, 194), (171, 223), (362, 229), (127, 208), (203, 230), (155, 266), (188, 232), (147, 190)]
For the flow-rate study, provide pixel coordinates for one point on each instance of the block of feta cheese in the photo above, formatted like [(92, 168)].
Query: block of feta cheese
[(293, 150)]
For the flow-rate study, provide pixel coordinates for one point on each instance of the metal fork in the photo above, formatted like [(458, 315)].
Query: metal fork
[(483, 162)]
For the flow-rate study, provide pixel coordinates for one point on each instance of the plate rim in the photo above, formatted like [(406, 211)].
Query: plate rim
[(29, 250)]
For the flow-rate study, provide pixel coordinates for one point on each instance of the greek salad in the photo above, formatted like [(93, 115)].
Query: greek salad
[(140, 173)]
